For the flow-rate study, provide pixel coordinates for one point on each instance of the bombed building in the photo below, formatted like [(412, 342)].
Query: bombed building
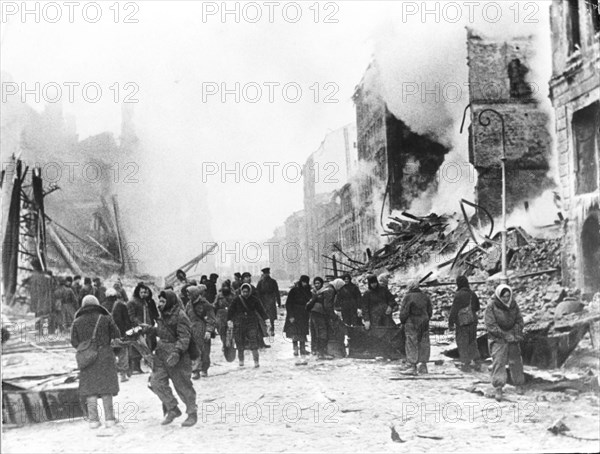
[(506, 115), (397, 164), (575, 94)]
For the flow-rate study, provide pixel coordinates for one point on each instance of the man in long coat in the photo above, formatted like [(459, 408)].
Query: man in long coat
[(296, 319), (268, 293)]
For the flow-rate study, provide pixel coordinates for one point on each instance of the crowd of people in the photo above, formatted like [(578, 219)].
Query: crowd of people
[(174, 333)]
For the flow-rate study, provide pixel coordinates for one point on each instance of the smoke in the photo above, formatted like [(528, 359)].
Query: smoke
[(421, 73)]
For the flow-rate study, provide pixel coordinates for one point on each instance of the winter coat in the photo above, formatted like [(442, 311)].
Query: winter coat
[(268, 293), (202, 317), (64, 296), (295, 306), (323, 302), (375, 304), (100, 378), (246, 324), (100, 293), (416, 306), (222, 303), (86, 290), (139, 312), (120, 315), (173, 329), (504, 324), (462, 298), (211, 291), (348, 297)]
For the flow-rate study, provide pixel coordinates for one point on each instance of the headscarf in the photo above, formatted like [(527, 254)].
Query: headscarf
[(499, 291), (112, 293), (338, 284), (90, 300), (304, 278), (346, 275), (246, 285), (462, 282), (320, 279), (383, 279), (171, 298), (413, 285)]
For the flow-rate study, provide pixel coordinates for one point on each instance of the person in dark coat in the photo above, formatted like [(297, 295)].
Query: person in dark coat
[(100, 378), (415, 314), (87, 289), (296, 319), (76, 285), (349, 300), (120, 315), (118, 286), (237, 282), (222, 302), (466, 322), (65, 305), (111, 297), (141, 312), (172, 360), (263, 331), (321, 308), (41, 292), (504, 324), (99, 290), (243, 317), (202, 316), (211, 288), (378, 304), (268, 293)]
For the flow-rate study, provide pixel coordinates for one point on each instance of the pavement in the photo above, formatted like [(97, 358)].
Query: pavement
[(345, 405)]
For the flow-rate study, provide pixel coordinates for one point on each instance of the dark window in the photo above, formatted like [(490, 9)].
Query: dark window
[(573, 33), (594, 9), (586, 140), (519, 87)]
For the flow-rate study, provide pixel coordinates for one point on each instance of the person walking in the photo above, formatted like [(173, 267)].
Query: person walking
[(321, 308), (202, 316), (296, 319), (415, 314), (243, 316), (463, 315), (222, 302), (504, 324), (100, 378), (268, 293), (172, 360)]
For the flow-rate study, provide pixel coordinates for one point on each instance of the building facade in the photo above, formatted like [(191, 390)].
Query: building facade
[(575, 94), (500, 79)]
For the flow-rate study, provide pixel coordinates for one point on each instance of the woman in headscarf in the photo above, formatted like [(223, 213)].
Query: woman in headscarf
[(463, 314), (222, 302), (414, 315), (142, 311), (378, 304), (202, 315), (296, 319), (242, 316), (172, 359), (99, 379), (504, 324)]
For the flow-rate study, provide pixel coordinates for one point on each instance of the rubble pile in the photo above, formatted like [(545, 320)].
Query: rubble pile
[(437, 248)]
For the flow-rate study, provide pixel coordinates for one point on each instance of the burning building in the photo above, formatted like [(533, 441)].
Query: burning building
[(505, 113), (397, 164), (575, 94)]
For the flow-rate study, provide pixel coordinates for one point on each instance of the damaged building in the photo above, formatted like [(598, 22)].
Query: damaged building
[(575, 94), (500, 79), (397, 164), (83, 231)]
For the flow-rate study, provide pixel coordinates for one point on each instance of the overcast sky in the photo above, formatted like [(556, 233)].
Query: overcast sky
[(171, 51)]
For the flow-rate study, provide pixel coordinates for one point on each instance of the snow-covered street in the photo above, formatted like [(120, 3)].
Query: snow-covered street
[(346, 405)]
